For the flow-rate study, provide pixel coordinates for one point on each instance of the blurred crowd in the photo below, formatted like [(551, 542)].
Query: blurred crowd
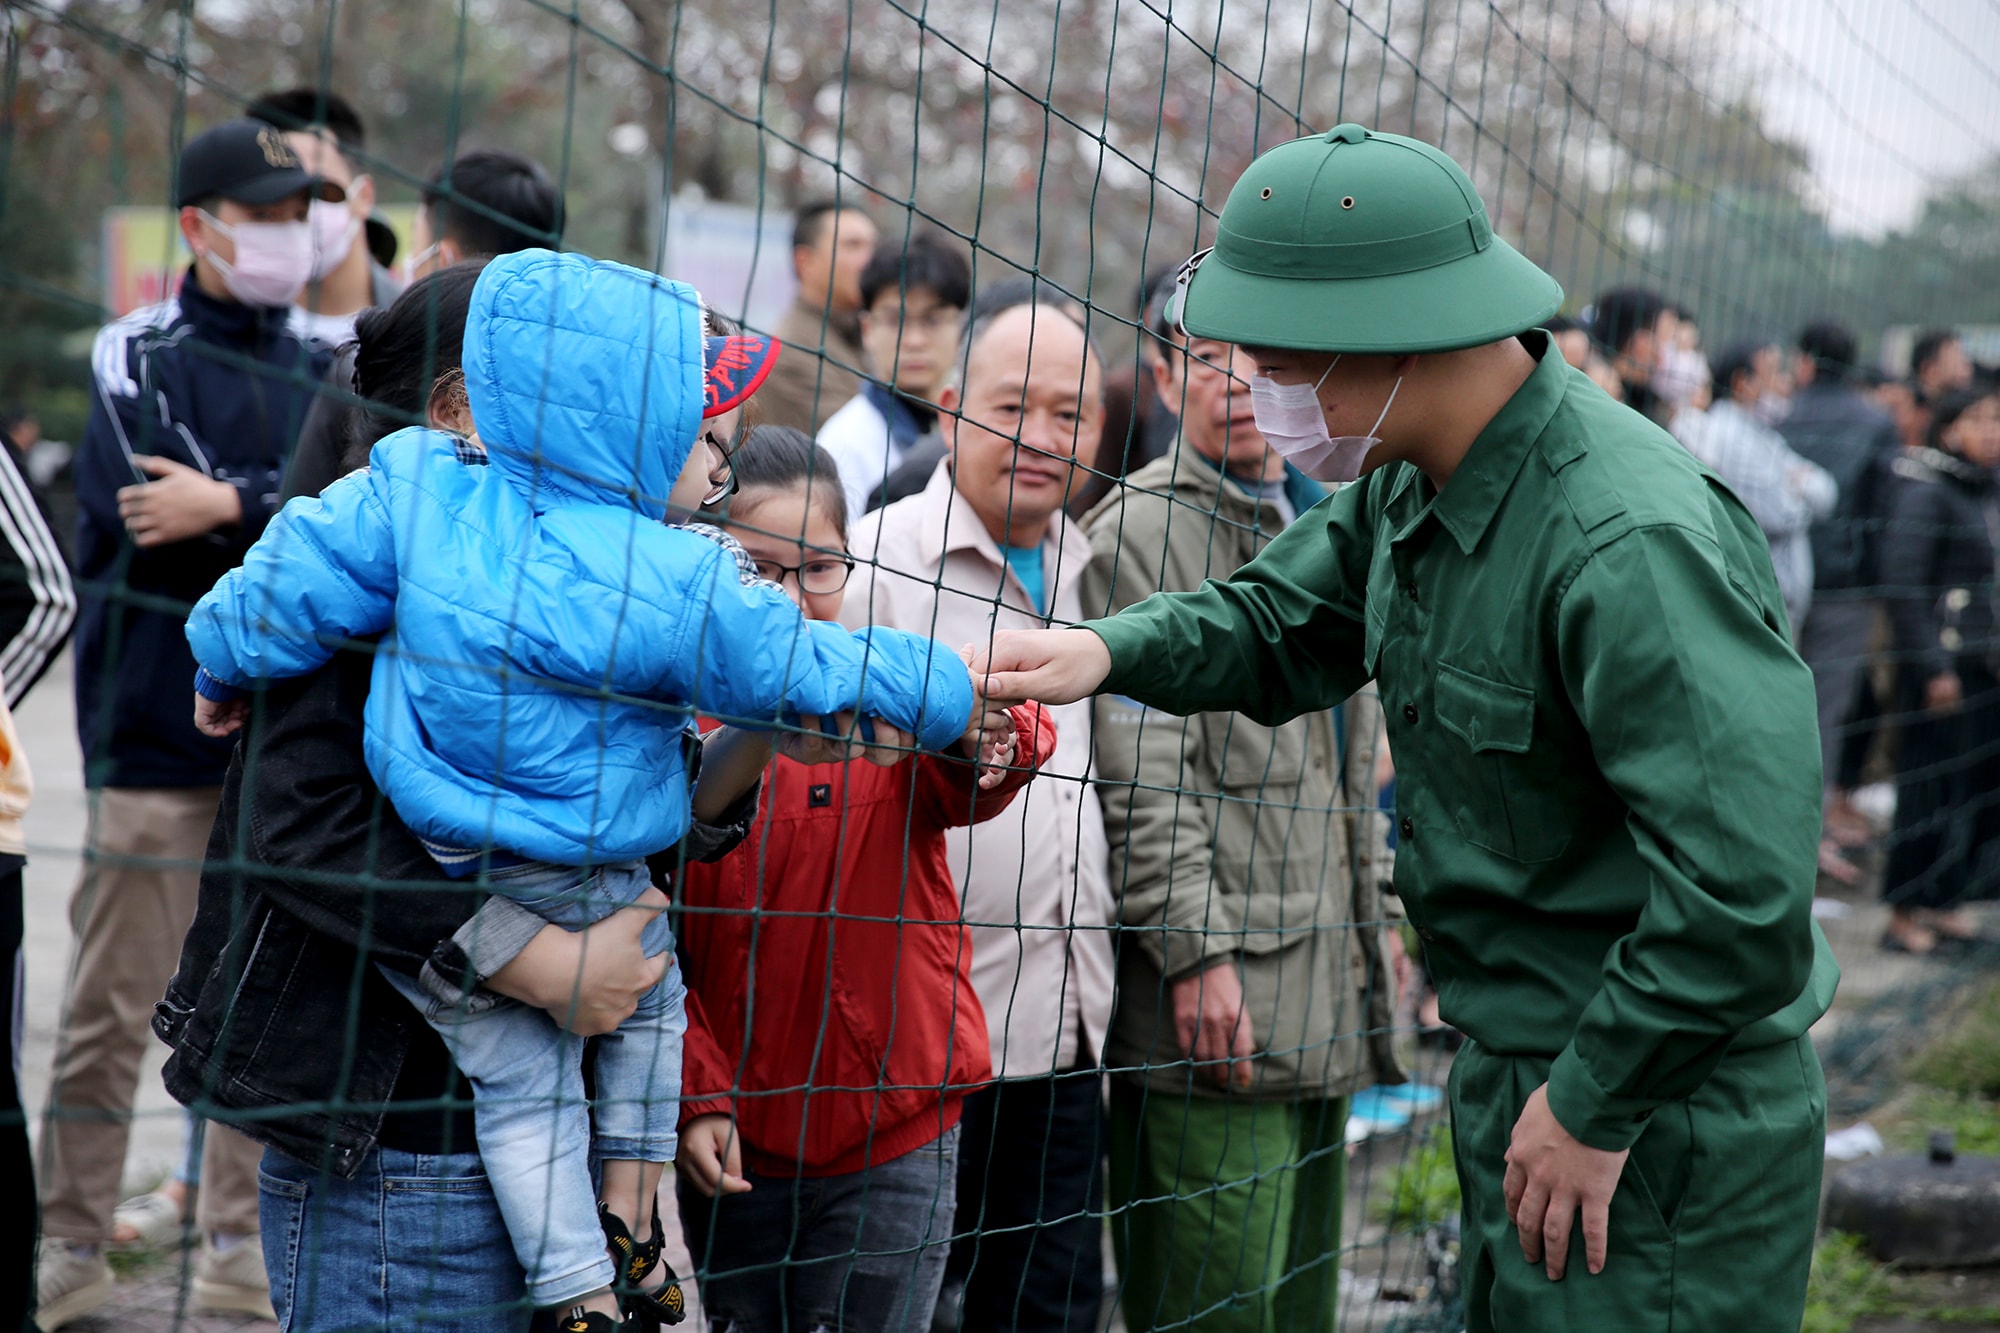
[(1164, 973)]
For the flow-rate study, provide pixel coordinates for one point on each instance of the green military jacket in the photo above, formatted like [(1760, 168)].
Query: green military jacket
[(1608, 785), (1230, 839)]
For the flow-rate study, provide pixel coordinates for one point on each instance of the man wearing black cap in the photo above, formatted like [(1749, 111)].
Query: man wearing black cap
[(197, 400)]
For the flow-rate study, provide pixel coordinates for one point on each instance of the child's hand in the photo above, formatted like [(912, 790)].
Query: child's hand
[(990, 742), (811, 745), (220, 719)]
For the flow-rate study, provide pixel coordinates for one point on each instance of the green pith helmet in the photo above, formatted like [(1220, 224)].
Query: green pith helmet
[(1354, 241)]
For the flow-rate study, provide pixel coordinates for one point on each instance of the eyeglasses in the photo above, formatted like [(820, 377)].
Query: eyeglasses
[(722, 476), (819, 576)]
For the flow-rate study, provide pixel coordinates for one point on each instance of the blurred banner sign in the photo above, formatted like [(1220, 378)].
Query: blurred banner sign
[(739, 258)]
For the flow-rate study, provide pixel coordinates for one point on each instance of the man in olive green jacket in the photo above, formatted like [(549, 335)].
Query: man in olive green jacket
[(1607, 754), (1254, 994)]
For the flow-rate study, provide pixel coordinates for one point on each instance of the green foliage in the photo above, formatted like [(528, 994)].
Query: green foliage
[(1967, 1061), (1973, 1121), (1845, 1285), (1424, 1188)]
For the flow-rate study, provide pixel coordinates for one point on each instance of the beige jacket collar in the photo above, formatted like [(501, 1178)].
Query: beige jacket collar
[(949, 523)]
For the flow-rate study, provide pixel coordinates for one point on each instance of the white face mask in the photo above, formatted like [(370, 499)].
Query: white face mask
[(272, 260), (334, 228), (1291, 421), (413, 267)]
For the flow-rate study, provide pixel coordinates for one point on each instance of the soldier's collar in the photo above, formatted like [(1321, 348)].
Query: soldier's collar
[(1469, 500)]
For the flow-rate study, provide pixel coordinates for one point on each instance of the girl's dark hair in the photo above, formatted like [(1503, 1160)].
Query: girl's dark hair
[(402, 349), (781, 458), (1948, 409)]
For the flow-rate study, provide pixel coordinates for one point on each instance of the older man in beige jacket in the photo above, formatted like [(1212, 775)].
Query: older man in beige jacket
[(1254, 990), (987, 545)]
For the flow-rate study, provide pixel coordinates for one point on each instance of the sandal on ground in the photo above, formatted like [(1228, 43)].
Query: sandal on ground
[(1835, 866), (658, 1305), (155, 1216), (1894, 943)]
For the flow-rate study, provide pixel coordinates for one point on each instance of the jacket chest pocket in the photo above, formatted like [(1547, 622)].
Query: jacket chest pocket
[(1487, 770), (1253, 758)]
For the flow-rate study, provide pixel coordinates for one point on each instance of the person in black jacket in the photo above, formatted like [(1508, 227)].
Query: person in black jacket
[(1833, 425), (37, 599), (279, 1024), (1938, 567), (197, 402)]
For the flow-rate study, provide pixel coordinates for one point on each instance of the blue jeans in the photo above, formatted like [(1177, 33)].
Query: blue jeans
[(862, 1253), (526, 1074), (410, 1243)]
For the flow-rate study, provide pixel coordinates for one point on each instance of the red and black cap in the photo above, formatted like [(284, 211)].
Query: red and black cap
[(735, 367), (249, 162)]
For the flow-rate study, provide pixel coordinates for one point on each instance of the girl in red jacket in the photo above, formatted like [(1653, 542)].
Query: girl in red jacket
[(832, 1027)]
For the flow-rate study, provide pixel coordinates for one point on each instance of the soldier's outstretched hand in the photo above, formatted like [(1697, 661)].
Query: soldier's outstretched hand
[(1054, 666)]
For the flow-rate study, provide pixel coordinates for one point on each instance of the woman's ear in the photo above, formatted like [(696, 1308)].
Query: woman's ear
[(449, 409)]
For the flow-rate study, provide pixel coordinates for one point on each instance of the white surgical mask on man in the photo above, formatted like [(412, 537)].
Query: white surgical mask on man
[(1292, 422), (416, 265), (273, 260), (334, 228)]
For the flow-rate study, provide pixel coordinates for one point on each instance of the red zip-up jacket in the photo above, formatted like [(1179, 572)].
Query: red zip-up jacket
[(836, 924)]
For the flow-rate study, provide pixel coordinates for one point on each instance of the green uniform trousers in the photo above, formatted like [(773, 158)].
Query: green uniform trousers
[(1712, 1225), (1226, 1210)]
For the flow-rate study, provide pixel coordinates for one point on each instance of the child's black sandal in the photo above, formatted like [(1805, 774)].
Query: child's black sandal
[(636, 1260)]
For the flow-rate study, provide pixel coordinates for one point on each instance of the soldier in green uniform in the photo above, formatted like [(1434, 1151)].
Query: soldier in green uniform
[(1609, 785)]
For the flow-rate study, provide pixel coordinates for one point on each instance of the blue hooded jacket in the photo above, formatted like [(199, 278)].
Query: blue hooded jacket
[(552, 636)]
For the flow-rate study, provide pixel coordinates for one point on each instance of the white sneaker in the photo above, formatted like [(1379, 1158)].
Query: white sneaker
[(68, 1285), (233, 1281)]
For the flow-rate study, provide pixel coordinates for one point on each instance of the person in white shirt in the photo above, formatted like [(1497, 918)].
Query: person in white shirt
[(913, 298), (1783, 492), (989, 546)]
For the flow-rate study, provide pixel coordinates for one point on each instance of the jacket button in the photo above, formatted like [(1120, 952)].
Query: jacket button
[(1411, 588), (1410, 714), (1426, 934), (1408, 829)]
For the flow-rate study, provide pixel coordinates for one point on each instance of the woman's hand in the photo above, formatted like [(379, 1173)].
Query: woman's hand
[(588, 980), (711, 1156), (1943, 693)]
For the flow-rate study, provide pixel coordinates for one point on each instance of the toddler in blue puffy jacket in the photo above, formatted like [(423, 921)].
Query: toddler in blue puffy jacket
[(548, 640)]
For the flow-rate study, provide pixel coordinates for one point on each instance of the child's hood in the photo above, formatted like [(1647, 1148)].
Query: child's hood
[(584, 378)]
